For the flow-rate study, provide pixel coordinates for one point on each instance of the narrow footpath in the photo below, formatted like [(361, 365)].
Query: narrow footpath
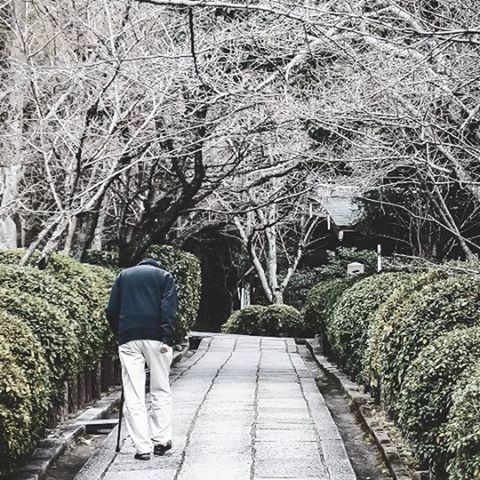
[(245, 408)]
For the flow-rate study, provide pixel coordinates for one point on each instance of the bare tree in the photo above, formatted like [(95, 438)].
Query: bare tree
[(136, 114)]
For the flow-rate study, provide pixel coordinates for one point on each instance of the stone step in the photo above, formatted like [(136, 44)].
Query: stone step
[(95, 426)]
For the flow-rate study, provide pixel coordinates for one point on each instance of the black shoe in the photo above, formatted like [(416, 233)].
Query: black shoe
[(142, 456), (161, 449)]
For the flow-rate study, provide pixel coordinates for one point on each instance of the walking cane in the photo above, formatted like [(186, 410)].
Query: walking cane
[(120, 417)]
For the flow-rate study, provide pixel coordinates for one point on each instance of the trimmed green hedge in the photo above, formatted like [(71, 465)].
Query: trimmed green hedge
[(343, 256), (382, 325), (412, 336), (426, 397), (299, 286), (281, 321), (320, 302), (270, 320), (463, 429), (94, 288), (428, 312), (44, 315), (347, 330), (245, 321), (186, 270), (54, 331), (79, 290), (45, 286), (372, 365), (15, 410), (24, 390), (105, 259)]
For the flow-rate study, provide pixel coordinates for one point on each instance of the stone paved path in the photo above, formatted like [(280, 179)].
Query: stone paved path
[(245, 408)]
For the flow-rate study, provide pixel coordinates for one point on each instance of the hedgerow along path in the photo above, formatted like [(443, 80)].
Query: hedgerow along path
[(244, 408)]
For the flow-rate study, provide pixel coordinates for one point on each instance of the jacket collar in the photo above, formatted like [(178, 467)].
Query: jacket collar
[(152, 262)]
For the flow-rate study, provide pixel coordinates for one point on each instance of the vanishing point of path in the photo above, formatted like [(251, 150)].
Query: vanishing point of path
[(245, 408)]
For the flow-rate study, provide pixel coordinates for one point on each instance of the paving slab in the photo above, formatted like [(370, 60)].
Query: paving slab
[(246, 408)]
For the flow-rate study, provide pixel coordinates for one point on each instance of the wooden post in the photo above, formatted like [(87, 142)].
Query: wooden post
[(88, 386), (73, 395), (108, 373), (97, 381), (53, 416), (379, 258), (82, 392)]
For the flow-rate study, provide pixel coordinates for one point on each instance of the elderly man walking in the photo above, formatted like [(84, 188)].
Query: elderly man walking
[(141, 312)]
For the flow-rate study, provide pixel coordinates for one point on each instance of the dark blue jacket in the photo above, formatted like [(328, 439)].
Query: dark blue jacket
[(143, 304)]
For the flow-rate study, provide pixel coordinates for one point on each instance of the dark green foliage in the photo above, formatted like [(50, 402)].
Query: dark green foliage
[(380, 326), (54, 331), (271, 320), (79, 290), (94, 288), (281, 321), (24, 390), (463, 429), (337, 265), (187, 272), (320, 302), (12, 256), (298, 287), (245, 321), (45, 286), (105, 259), (15, 410), (347, 331), (429, 384), (425, 314), (58, 328)]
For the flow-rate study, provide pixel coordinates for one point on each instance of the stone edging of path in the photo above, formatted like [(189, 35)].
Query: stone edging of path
[(362, 403), (53, 447)]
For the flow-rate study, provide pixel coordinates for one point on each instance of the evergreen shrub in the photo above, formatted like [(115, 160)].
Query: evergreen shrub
[(270, 320), (94, 288), (51, 326), (299, 286), (424, 314), (54, 331), (102, 258), (24, 390), (338, 263), (380, 324), (281, 321), (463, 428), (245, 321), (426, 397), (320, 302), (43, 285), (347, 330), (186, 270)]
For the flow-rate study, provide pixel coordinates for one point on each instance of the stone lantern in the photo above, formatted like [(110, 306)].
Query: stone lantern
[(355, 268)]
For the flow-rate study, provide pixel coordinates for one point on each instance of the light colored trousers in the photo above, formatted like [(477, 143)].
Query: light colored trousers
[(147, 430)]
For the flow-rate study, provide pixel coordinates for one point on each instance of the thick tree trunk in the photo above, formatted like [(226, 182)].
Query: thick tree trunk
[(84, 233), (52, 244), (278, 296), (97, 242)]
